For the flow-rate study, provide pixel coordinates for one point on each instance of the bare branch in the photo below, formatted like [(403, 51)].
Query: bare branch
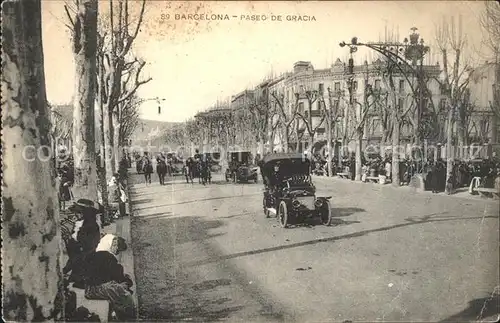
[(137, 84), (69, 18), (129, 38)]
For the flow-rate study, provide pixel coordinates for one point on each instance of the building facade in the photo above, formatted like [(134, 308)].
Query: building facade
[(483, 125)]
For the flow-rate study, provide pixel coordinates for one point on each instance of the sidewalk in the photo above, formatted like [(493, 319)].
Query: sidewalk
[(461, 193), (119, 227)]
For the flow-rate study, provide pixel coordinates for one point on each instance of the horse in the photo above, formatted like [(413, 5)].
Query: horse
[(161, 169)]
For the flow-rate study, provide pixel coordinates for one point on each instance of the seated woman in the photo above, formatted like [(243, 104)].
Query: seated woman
[(106, 280), (84, 241)]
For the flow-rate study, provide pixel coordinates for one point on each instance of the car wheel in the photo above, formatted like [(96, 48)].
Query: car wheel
[(325, 213), (283, 215)]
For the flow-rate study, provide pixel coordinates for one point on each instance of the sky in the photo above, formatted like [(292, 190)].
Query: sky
[(195, 63)]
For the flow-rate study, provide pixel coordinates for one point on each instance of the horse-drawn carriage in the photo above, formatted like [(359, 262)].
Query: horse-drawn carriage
[(175, 164), (240, 169), (289, 192)]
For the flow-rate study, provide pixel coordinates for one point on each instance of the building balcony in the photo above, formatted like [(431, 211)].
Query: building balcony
[(314, 113)]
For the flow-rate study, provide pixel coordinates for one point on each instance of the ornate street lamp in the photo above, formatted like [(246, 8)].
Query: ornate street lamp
[(400, 55), (397, 53)]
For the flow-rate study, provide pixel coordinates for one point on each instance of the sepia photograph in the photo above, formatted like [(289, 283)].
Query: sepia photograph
[(250, 161)]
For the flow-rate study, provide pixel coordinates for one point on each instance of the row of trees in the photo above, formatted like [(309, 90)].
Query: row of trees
[(107, 74), (345, 117)]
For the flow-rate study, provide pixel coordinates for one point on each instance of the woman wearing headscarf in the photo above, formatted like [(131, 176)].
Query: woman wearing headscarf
[(106, 280)]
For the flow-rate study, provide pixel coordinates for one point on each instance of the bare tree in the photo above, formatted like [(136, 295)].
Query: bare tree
[(128, 118), (287, 117), (331, 112), (490, 22), (84, 37), (122, 76), (30, 216), (400, 106), (262, 113), (307, 118), (454, 87)]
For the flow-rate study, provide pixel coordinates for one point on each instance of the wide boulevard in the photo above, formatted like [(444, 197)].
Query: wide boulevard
[(207, 253)]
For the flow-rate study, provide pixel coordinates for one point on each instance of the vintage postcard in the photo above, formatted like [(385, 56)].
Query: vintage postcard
[(250, 161)]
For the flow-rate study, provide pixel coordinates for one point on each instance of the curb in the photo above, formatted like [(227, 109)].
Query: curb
[(408, 189), (123, 229)]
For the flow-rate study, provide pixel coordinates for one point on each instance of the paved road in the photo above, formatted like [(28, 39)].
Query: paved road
[(207, 253)]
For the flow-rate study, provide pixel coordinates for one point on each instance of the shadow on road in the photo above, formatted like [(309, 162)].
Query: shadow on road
[(194, 201), (142, 201), (422, 220), (478, 309), (346, 211), (169, 288)]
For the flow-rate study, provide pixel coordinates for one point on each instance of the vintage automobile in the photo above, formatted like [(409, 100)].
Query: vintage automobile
[(213, 161), (175, 164), (289, 192), (240, 167)]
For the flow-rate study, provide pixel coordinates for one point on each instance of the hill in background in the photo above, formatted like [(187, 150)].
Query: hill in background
[(152, 127)]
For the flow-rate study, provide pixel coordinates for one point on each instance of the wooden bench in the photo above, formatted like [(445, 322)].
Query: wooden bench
[(488, 192), (99, 307), (344, 175)]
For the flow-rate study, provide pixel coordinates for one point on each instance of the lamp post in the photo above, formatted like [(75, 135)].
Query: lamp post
[(398, 55), (412, 50)]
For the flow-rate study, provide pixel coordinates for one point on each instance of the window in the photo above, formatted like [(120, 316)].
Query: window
[(377, 84), (375, 126), (400, 104), (337, 86), (301, 107), (442, 104), (442, 89), (321, 88), (355, 85), (401, 85)]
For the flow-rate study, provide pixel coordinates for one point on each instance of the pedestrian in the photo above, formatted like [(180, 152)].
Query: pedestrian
[(147, 167), (435, 177), (106, 280), (161, 168), (117, 195), (388, 169), (123, 168), (450, 184), (64, 183)]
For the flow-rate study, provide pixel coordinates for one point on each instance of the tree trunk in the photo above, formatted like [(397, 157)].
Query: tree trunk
[(286, 140), (116, 139), (449, 147), (31, 236), (108, 142), (329, 146), (359, 151), (85, 44), (396, 180), (101, 166)]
